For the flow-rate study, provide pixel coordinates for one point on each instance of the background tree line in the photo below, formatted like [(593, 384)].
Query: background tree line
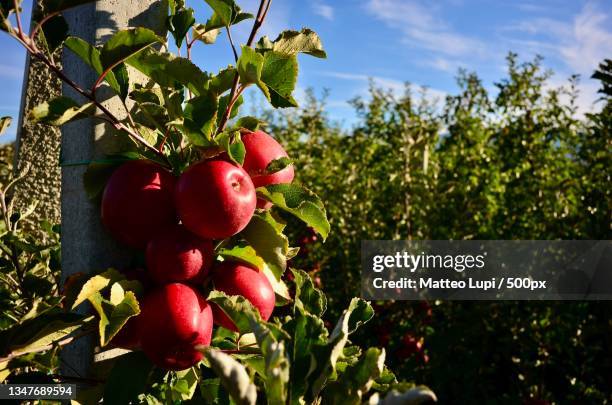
[(515, 165)]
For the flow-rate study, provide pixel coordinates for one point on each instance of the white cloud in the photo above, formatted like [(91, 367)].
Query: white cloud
[(422, 27), (398, 87), (591, 40), (579, 44), (322, 9)]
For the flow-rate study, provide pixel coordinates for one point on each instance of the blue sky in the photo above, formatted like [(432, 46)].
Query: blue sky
[(393, 41)]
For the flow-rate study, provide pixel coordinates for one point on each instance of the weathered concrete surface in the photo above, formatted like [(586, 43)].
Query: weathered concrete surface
[(85, 244), (38, 146)]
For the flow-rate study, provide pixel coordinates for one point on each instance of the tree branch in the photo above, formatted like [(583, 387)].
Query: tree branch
[(264, 6)]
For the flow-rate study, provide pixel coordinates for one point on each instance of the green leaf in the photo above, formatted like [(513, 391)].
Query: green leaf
[(186, 384), (278, 285), (95, 178), (230, 142), (167, 70), (242, 17), (201, 117), (237, 308), (223, 102), (125, 44), (233, 375), (357, 379), (36, 333), (294, 42), (309, 334), (358, 313), (277, 165), (242, 253), (5, 122), (307, 296), (55, 32), (220, 19), (96, 284), (223, 9), (250, 123), (91, 56), (179, 25), (60, 110), (266, 236), (279, 75), (53, 6), (207, 36), (299, 201), (134, 367), (277, 366), (122, 77), (250, 66), (223, 81), (113, 316)]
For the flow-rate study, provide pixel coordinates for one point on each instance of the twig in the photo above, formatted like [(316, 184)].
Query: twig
[(18, 18), (231, 41), (42, 22), (264, 6), (163, 142)]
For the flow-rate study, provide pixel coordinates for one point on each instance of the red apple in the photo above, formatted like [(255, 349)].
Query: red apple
[(138, 202), (215, 199), (178, 255), (238, 279), (261, 149), (173, 320)]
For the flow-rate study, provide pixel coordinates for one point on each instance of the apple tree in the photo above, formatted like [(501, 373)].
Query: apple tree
[(201, 195)]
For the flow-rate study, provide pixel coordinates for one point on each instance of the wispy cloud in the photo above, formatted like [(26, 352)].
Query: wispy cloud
[(579, 44), (398, 87), (323, 9), (422, 26)]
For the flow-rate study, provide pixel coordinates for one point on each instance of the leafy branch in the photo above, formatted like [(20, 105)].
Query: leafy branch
[(29, 43), (235, 91)]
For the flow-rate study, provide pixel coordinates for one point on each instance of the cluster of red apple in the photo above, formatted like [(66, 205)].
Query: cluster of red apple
[(175, 221)]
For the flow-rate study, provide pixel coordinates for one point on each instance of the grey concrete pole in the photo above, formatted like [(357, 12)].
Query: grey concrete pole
[(38, 145), (85, 244)]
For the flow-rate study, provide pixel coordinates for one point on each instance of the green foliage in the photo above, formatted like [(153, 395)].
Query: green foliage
[(518, 165), (177, 116), (30, 319), (60, 111), (301, 360), (299, 201)]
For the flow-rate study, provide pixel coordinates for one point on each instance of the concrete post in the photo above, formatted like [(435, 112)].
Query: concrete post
[(85, 244), (38, 145)]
